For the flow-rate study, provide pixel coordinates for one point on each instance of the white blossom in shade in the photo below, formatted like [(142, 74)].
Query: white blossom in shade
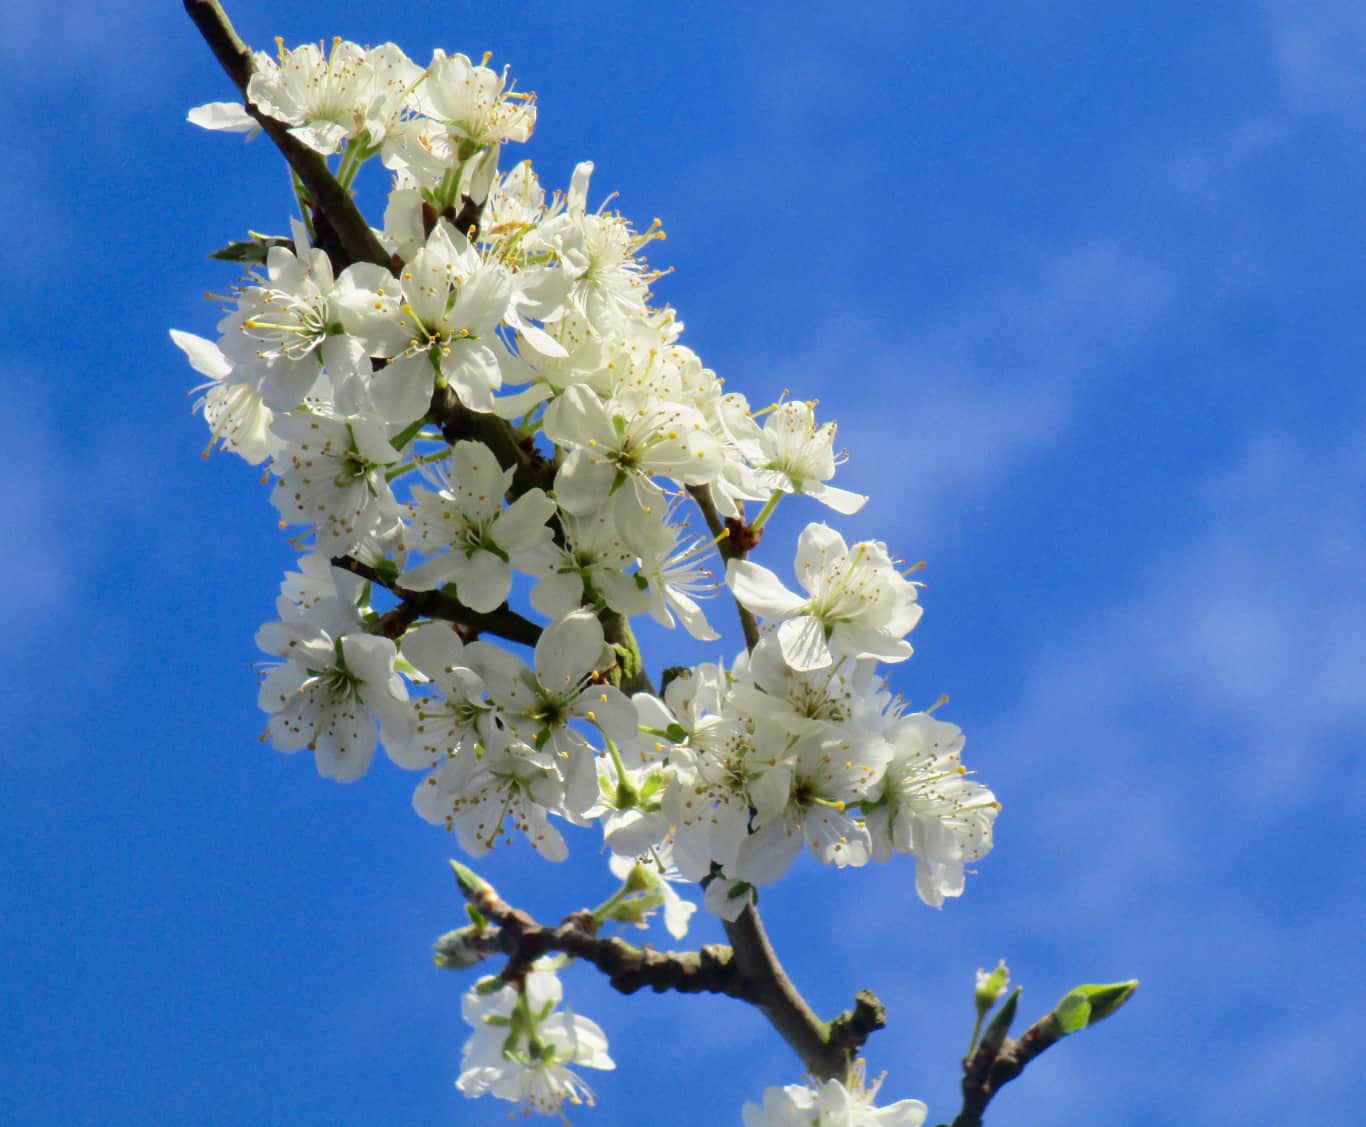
[(453, 302), (617, 447), (472, 538), (480, 789), (238, 417), (539, 706), (656, 865), (708, 748), (930, 808), (791, 454), (707, 800), (858, 604), (727, 898), (831, 1104), (633, 820), (322, 595), (673, 572), (523, 1045), (697, 703), (456, 718), (592, 567), (332, 476), (807, 793), (322, 695), (516, 205), (629, 807)]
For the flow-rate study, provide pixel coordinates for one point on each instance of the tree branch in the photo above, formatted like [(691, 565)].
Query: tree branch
[(529, 469), (617, 632), (828, 1051), (503, 622), (710, 970), (748, 971), (333, 201)]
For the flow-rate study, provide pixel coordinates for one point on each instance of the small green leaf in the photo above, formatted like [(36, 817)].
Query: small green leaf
[(253, 252), (1086, 1005)]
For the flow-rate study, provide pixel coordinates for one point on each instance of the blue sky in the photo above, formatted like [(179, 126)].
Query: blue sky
[(1083, 285)]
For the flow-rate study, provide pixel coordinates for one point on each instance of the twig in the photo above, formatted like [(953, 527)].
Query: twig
[(503, 622), (729, 549), (748, 971), (992, 1067), (828, 1051)]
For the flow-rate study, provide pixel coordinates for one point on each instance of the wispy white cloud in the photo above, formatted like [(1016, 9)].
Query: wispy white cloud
[(36, 507), (1246, 620), (977, 387), (1318, 50)]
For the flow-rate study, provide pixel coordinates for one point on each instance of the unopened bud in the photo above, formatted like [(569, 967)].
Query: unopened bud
[(990, 987), (458, 950)]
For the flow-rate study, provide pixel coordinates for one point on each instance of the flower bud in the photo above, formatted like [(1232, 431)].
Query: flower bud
[(990, 987), (458, 950)]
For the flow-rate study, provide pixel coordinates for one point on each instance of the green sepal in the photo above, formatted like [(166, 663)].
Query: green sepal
[(632, 910), (1085, 1005), (649, 788), (999, 1026)]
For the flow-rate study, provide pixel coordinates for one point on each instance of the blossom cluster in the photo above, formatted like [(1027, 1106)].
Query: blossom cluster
[(499, 414)]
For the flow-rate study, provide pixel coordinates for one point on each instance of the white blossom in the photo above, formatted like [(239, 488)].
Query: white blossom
[(523, 1046), (831, 1104), (474, 103), (322, 694), (791, 454), (857, 604), (472, 538), (332, 477), (479, 789), (539, 705), (930, 808), (232, 404)]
